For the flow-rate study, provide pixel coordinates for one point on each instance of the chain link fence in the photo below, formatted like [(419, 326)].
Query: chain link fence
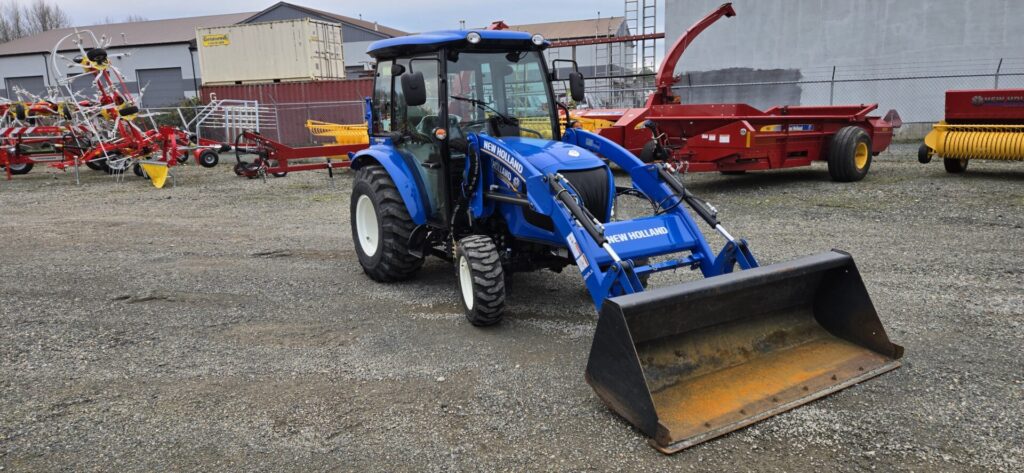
[(282, 122), (916, 89)]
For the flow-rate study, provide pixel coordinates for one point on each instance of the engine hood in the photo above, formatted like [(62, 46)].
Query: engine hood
[(551, 156)]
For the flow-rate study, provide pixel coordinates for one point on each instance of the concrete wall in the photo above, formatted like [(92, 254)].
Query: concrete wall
[(777, 40)]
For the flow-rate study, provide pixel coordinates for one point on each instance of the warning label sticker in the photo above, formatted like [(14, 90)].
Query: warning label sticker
[(215, 40)]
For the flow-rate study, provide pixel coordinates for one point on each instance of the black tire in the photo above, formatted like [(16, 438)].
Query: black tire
[(733, 173), (273, 163), (481, 280), (208, 158), (137, 170), (849, 154), (239, 168), (390, 259), (94, 164), (955, 166), (23, 168), (653, 151), (924, 154)]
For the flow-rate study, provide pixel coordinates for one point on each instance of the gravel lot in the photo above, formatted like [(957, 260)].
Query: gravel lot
[(226, 324)]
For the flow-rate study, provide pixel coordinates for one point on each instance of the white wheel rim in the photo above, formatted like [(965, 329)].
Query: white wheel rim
[(366, 225), (18, 167), (466, 282)]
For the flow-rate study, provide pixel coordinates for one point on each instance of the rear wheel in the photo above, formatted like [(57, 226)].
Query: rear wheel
[(381, 227), (481, 280), (955, 166), (849, 154), (924, 154)]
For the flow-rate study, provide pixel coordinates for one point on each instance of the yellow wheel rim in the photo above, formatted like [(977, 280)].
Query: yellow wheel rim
[(860, 158)]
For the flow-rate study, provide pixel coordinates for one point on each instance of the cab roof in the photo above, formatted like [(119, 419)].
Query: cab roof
[(429, 42)]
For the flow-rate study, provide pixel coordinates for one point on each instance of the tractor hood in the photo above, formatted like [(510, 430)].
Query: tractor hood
[(551, 156)]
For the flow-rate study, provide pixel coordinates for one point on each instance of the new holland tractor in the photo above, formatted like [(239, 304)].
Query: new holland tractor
[(465, 164)]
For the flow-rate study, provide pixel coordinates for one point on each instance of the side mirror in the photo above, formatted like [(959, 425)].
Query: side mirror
[(414, 89), (577, 87)]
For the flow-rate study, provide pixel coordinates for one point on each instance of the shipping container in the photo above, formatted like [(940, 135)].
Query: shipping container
[(292, 103), (275, 51)]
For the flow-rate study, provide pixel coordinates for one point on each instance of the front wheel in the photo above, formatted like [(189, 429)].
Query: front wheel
[(381, 227), (481, 280)]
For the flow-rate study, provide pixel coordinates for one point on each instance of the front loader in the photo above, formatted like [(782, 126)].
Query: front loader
[(459, 167)]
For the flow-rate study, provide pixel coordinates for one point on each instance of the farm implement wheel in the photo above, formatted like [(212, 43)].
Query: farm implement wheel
[(954, 166), (21, 168), (381, 226), (137, 170), (208, 158), (481, 280), (849, 154), (924, 154), (94, 164)]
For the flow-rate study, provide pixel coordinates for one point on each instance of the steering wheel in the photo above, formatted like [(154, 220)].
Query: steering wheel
[(535, 132)]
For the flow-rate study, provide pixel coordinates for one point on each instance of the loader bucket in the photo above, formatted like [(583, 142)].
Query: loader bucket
[(689, 363)]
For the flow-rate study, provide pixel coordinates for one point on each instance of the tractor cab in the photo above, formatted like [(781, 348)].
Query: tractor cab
[(432, 91)]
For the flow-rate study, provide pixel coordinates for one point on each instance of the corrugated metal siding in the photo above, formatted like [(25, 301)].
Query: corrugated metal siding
[(337, 101)]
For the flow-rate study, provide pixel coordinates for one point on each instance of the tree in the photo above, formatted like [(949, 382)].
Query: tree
[(17, 21), (42, 16)]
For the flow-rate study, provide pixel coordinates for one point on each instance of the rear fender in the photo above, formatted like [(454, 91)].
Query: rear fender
[(407, 181)]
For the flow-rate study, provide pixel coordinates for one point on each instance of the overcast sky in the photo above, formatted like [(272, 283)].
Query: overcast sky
[(406, 15)]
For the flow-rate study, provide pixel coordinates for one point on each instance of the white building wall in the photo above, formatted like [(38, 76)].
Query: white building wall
[(801, 41)]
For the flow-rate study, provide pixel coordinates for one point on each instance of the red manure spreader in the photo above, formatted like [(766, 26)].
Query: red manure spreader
[(735, 138)]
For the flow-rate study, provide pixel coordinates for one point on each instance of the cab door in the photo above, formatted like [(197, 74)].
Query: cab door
[(411, 128)]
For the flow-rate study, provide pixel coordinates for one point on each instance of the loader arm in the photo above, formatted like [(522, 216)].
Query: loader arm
[(666, 74)]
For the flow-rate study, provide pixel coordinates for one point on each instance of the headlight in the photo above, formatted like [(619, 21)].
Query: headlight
[(473, 37), (537, 39)]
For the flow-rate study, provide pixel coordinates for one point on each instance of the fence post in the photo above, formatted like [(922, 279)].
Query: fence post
[(832, 88), (998, 68)]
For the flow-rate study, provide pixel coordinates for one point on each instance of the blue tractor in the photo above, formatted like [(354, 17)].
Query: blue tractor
[(468, 162)]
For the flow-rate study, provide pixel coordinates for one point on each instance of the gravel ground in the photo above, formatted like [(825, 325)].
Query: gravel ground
[(226, 324)]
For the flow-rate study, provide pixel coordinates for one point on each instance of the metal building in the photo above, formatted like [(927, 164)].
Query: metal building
[(163, 56)]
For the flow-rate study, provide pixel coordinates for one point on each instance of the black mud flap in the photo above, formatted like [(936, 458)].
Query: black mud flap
[(689, 363)]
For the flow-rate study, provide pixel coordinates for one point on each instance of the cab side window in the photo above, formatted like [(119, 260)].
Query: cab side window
[(382, 107)]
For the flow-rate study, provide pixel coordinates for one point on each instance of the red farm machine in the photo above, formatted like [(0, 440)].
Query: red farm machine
[(102, 131), (735, 138), (979, 124)]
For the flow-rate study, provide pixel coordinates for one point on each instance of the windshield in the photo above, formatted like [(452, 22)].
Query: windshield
[(486, 84)]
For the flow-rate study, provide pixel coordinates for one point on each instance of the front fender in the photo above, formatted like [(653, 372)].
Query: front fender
[(405, 179)]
